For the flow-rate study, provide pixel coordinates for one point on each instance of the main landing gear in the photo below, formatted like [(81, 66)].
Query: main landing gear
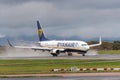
[(69, 54)]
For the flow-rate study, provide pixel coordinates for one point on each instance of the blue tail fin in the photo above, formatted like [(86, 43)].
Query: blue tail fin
[(40, 33)]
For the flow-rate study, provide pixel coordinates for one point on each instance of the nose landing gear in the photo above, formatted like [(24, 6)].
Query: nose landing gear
[(83, 54)]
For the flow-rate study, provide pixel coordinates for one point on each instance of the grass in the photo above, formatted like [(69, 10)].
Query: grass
[(45, 66), (109, 52)]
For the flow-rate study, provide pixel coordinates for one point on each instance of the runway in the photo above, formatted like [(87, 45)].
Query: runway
[(69, 76), (66, 78), (62, 56), (10, 53)]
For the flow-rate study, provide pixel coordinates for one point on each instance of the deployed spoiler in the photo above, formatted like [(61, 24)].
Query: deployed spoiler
[(100, 42)]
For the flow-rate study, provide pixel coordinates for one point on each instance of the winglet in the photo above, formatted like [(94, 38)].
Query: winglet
[(100, 43), (10, 43)]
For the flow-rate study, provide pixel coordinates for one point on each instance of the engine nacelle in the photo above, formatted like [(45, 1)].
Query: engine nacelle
[(56, 51)]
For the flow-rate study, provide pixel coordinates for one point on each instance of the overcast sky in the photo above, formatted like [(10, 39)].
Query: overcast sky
[(60, 18)]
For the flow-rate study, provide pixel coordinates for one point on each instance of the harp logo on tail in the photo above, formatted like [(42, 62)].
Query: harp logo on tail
[(40, 32)]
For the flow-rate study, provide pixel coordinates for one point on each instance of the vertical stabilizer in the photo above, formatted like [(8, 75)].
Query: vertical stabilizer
[(40, 33)]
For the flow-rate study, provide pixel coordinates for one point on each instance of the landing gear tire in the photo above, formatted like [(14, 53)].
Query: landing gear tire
[(54, 55), (83, 54), (69, 54)]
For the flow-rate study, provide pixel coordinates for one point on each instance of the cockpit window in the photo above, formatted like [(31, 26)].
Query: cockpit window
[(84, 44)]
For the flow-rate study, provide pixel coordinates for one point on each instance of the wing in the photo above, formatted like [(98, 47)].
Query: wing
[(34, 48), (30, 47)]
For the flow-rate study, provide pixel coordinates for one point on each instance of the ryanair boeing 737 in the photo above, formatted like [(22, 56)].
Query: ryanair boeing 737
[(55, 47)]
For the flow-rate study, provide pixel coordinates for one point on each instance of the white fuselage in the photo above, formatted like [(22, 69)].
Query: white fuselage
[(76, 45)]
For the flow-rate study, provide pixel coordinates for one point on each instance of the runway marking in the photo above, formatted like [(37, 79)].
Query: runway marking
[(65, 75)]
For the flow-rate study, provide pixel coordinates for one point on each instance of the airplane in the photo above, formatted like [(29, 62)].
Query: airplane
[(55, 47)]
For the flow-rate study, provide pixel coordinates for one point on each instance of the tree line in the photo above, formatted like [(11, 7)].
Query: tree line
[(115, 45)]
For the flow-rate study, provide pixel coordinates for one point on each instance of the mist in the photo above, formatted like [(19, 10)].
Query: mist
[(12, 52)]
